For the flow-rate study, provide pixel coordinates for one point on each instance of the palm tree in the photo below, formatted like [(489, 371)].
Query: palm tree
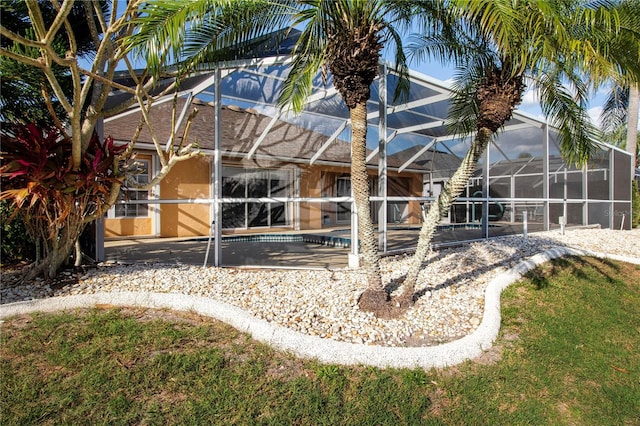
[(496, 47), (344, 37), (620, 113), (617, 117)]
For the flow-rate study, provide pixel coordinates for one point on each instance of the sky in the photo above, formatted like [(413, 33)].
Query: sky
[(530, 103)]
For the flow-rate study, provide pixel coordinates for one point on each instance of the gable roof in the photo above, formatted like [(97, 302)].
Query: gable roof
[(240, 129)]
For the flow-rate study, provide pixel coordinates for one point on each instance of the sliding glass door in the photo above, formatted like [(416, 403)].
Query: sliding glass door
[(254, 184)]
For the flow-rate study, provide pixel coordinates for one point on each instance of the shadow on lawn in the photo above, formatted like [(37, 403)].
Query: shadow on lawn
[(543, 274), (540, 275)]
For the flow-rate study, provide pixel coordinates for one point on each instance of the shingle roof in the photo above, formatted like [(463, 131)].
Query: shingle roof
[(240, 129)]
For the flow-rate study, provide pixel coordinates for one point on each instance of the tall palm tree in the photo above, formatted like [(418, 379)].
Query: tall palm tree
[(344, 37), (620, 112), (619, 117), (496, 47)]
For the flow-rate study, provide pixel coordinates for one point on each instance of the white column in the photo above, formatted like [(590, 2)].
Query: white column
[(545, 177), (611, 188), (485, 194), (217, 169)]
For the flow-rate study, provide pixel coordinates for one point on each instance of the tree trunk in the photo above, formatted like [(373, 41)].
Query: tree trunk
[(632, 122), (445, 199), (57, 257), (374, 296), (78, 255), (57, 248)]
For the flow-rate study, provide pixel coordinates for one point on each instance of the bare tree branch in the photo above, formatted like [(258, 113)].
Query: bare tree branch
[(61, 19), (5, 32), (52, 112), (21, 58)]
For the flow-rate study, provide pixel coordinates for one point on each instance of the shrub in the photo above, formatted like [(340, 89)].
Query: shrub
[(16, 244), (38, 177)]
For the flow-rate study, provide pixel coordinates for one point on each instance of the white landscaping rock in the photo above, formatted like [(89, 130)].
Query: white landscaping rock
[(455, 319)]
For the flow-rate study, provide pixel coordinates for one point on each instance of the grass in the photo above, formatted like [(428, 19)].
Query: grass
[(569, 353)]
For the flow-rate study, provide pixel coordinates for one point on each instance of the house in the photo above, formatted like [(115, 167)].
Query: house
[(280, 166), (281, 172)]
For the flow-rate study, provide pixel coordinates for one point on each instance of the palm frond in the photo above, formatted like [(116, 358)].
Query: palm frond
[(614, 110), (298, 85), (161, 27), (577, 133), (401, 93), (308, 56), (194, 31), (464, 105), (237, 32), (498, 20)]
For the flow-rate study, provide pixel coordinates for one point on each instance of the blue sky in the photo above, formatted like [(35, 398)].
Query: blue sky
[(529, 103)]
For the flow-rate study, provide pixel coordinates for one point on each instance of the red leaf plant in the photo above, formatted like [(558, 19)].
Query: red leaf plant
[(56, 201)]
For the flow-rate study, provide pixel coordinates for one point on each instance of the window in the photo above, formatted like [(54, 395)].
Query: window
[(132, 194), (343, 189), (255, 183)]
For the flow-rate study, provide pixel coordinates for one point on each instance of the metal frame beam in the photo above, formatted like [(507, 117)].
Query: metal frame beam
[(263, 135), (313, 98), (418, 154), (332, 138)]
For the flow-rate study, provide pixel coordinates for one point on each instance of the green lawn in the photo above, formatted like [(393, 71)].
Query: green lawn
[(569, 353)]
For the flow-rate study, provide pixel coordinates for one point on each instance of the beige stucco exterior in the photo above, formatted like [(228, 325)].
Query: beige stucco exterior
[(187, 180), (191, 180), (127, 227)]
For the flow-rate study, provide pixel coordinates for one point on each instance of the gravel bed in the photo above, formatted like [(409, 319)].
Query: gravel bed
[(324, 303)]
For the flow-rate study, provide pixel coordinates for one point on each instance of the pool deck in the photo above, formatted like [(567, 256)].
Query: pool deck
[(278, 254)]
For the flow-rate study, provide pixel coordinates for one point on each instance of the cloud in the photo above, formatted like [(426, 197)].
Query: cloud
[(530, 97), (594, 114)]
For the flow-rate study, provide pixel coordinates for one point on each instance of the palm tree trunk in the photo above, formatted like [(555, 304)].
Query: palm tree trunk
[(632, 121), (370, 261), (449, 193)]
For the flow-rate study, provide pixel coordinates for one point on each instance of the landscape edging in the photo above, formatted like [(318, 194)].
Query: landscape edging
[(322, 349)]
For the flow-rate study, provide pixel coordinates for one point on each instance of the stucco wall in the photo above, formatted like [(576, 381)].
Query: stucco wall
[(186, 180), (311, 186), (125, 227), (415, 210)]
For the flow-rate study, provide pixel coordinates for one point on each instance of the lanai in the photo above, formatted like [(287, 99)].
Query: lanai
[(521, 175)]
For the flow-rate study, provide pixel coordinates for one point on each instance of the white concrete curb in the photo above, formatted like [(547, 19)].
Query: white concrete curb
[(324, 350)]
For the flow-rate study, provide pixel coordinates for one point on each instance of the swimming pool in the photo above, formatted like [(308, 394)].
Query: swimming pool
[(333, 240)]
